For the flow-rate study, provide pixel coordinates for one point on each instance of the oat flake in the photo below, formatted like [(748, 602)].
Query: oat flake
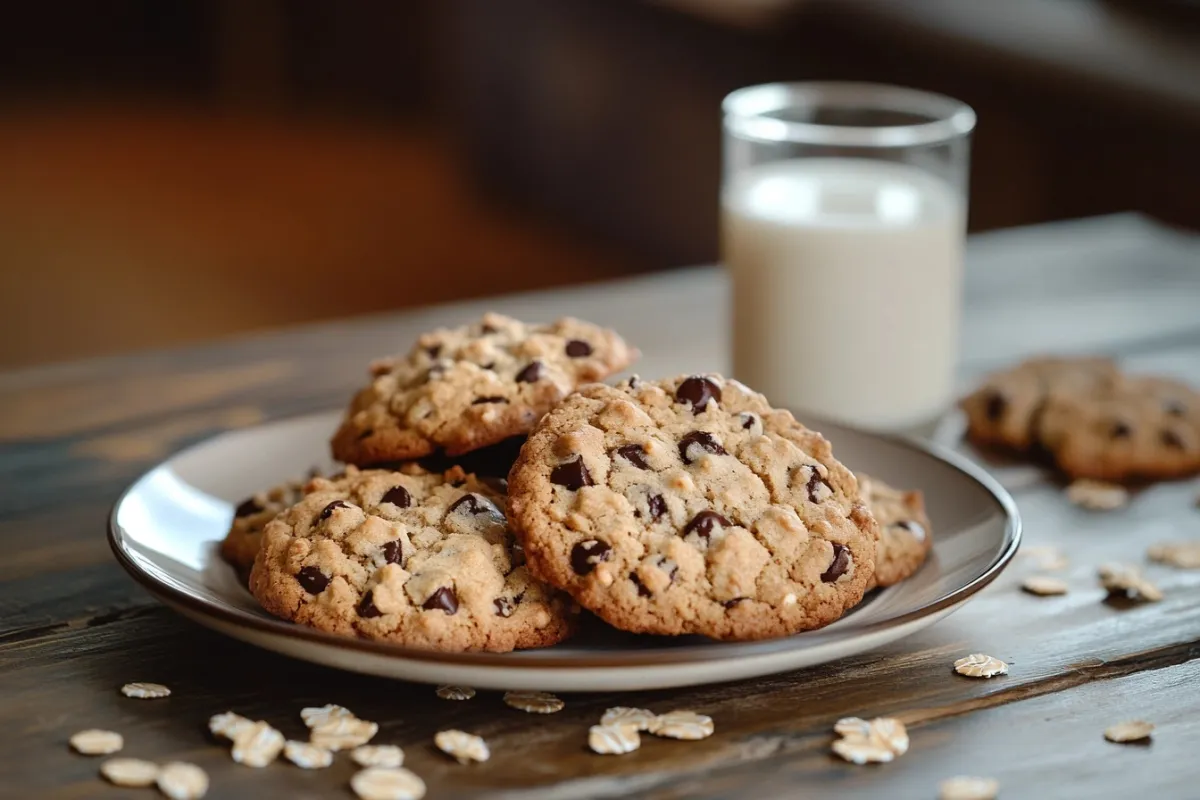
[(979, 665), (378, 755), (145, 691), (682, 725), (1097, 495), (257, 745), (1184, 555), (129, 772), (1044, 585), (316, 717), (455, 692), (1122, 579), (94, 742), (639, 718), (613, 739), (1134, 731), (534, 702), (863, 751), (965, 787), (307, 756), (464, 747), (228, 725), (877, 741), (181, 781), (343, 733), (378, 783)]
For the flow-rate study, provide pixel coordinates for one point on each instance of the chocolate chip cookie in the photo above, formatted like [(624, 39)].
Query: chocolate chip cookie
[(466, 388), (240, 545), (905, 533), (424, 560), (691, 506)]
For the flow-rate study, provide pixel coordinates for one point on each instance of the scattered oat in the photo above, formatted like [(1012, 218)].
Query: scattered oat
[(1044, 585), (877, 741), (1097, 496), (965, 787), (228, 725), (614, 739), (378, 755), (1135, 731), (534, 702), (129, 772), (378, 783), (465, 747), (307, 756), (257, 745), (93, 742), (181, 781), (1121, 579), (316, 717), (343, 733), (1185, 555), (682, 725), (979, 665), (145, 691), (455, 692), (639, 718), (1051, 559)]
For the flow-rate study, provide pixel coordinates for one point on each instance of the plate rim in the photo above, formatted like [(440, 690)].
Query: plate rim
[(614, 659)]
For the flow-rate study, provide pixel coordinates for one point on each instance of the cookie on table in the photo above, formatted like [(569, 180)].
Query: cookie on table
[(240, 545), (466, 388), (1141, 428), (691, 506), (905, 533), (1005, 411), (423, 560)]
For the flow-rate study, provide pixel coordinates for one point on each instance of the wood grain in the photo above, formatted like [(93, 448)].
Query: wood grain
[(73, 628)]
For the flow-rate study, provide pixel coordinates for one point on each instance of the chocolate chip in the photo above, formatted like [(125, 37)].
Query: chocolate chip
[(504, 607), (434, 350), (735, 601), (247, 507), (657, 505), (397, 496), (444, 599), (572, 475), (1172, 439), (698, 390), (471, 503), (367, 607), (839, 564), (814, 486), (491, 365), (704, 523), (994, 406), (586, 555), (485, 329), (366, 434), (312, 580), (1174, 408), (577, 348), (633, 453), (328, 510), (494, 399), (641, 588), (913, 527), (393, 552), (533, 372), (749, 420), (632, 382), (702, 439), (1120, 430)]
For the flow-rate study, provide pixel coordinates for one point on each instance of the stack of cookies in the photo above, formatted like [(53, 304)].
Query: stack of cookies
[(493, 486)]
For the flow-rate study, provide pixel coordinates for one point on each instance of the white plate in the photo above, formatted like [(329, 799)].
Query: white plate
[(166, 527)]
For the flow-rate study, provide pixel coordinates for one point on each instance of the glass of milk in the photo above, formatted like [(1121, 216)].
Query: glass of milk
[(843, 215)]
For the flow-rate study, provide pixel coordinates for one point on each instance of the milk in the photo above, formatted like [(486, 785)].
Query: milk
[(847, 287)]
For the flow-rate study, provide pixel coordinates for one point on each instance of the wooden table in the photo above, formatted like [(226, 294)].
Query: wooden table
[(73, 627)]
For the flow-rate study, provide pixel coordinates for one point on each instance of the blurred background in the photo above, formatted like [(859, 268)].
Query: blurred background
[(175, 171)]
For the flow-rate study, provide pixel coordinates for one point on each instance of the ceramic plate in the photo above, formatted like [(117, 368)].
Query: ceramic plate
[(165, 530)]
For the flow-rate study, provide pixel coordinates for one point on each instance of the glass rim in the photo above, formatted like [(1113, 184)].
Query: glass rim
[(747, 114)]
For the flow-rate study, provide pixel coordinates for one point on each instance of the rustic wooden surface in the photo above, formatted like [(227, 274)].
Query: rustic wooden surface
[(73, 627)]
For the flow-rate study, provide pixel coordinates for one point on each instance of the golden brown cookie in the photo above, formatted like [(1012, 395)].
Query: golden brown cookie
[(467, 388), (691, 506), (905, 533), (419, 559)]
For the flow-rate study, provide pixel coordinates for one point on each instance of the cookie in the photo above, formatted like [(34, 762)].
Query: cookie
[(905, 533), (1005, 411), (240, 545), (691, 506), (466, 388), (424, 560), (1138, 428)]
